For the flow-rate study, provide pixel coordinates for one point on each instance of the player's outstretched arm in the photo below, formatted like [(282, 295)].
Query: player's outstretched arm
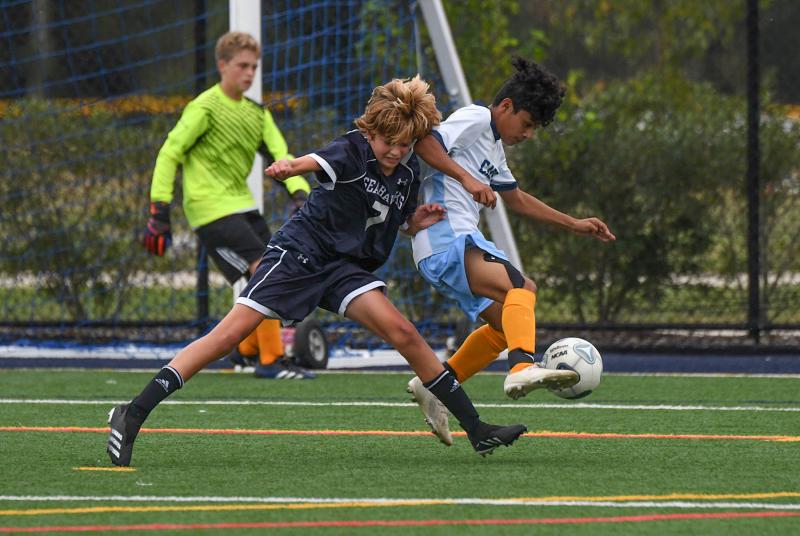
[(430, 150), (594, 227), (525, 204), (425, 216), (283, 169)]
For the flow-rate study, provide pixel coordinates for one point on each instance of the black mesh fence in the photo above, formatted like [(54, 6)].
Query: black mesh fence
[(681, 129)]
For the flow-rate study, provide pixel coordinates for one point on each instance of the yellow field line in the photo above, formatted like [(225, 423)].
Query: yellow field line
[(109, 469), (216, 508), (671, 497)]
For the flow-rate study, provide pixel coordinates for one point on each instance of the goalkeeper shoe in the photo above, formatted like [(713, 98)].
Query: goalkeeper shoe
[(239, 360), (432, 408), (522, 382), (283, 369), (487, 437), (124, 430)]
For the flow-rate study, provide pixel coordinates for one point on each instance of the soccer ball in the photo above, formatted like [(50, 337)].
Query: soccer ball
[(579, 355)]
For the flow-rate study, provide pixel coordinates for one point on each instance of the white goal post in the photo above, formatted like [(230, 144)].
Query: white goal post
[(245, 16)]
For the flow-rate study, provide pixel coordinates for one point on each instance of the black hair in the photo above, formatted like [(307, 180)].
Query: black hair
[(533, 89)]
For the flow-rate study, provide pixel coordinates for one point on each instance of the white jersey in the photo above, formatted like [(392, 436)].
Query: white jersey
[(470, 138)]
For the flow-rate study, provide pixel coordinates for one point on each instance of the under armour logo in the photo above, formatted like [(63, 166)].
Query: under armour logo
[(402, 182), (302, 258), (163, 383)]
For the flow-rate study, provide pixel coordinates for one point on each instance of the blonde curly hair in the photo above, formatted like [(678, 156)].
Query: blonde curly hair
[(401, 111)]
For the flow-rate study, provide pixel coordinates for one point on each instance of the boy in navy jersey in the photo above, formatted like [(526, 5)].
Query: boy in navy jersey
[(325, 256), (455, 257)]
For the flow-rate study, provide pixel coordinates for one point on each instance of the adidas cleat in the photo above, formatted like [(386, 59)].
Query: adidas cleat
[(488, 437), (283, 370), (436, 415), (124, 430), (522, 382), (240, 361)]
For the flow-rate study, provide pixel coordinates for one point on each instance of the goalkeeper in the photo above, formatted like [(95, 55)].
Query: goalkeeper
[(215, 141)]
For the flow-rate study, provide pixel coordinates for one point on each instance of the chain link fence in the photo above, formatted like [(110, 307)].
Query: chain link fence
[(680, 129)]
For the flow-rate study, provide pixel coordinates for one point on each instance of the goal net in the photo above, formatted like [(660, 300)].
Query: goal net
[(88, 93)]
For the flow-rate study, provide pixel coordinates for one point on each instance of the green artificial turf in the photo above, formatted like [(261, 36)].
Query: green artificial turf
[(40, 464)]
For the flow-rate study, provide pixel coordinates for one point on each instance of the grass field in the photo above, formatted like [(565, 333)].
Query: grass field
[(349, 454)]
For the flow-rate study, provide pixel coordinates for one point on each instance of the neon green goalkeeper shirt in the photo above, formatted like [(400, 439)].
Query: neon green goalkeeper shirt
[(215, 141)]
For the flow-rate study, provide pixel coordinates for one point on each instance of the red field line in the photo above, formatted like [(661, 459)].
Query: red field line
[(541, 433), (398, 523), (590, 435)]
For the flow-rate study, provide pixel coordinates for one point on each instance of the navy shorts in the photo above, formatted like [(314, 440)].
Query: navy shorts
[(234, 242), (288, 285)]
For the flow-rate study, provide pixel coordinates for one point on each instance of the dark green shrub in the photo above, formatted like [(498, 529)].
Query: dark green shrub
[(72, 196), (661, 160)]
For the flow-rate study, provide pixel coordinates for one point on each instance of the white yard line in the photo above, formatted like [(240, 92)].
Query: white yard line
[(575, 406), (382, 501)]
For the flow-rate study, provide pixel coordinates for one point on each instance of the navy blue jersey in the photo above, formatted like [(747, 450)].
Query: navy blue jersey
[(358, 211)]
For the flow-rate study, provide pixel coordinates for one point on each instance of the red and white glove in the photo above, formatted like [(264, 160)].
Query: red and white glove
[(157, 236)]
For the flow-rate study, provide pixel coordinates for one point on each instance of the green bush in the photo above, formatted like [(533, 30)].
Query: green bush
[(663, 161), (72, 196)]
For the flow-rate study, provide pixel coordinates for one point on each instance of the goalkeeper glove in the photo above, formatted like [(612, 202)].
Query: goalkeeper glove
[(298, 199), (157, 237)]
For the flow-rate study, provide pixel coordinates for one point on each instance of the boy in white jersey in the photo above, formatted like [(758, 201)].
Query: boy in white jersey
[(455, 257)]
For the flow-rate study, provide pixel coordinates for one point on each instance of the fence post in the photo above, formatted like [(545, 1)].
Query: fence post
[(202, 292), (753, 187)]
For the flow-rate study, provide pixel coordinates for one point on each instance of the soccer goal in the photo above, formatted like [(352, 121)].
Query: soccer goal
[(90, 93)]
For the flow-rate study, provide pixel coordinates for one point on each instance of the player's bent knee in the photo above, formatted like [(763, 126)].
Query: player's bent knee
[(227, 340), (403, 334)]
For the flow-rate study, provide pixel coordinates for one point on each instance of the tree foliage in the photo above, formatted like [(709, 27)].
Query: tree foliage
[(652, 138), (641, 155), (485, 43)]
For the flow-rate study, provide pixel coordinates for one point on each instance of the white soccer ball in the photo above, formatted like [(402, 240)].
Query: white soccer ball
[(579, 355)]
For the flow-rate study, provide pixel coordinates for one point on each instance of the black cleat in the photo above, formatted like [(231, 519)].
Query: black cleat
[(488, 437), (124, 430)]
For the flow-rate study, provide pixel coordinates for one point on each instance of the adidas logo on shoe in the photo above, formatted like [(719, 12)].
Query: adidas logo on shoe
[(114, 443), (123, 430), (488, 437)]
